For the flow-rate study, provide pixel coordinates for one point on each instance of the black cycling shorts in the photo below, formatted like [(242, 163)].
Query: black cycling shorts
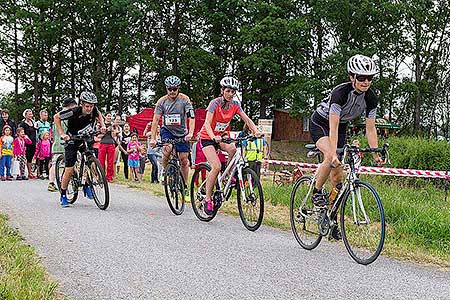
[(320, 127), (70, 153), (206, 143)]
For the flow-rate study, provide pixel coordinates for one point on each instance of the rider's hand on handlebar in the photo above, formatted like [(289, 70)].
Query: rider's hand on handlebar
[(217, 139), (188, 137), (335, 162), (65, 137), (378, 160)]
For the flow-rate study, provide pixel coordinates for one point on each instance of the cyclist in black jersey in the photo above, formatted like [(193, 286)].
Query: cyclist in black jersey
[(78, 119), (329, 122)]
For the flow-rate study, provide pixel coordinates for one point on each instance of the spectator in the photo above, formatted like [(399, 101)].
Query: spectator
[(19, 152), (43, 154), (255, 151), (29, 126), (106, 151), (134, 149), (6, 153), (43, 124), (5, 120), (152, 153), (126, 137), (119, 149)]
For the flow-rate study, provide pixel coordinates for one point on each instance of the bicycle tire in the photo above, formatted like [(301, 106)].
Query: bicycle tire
[(198, 192), (174, 188), (98, 183), (373, 234), (59, 170), (254, 203), (307, 236)]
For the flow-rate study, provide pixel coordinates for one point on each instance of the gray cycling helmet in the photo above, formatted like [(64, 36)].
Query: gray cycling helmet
[(361, 65), (229, 82), (88, 97), (172, 81)]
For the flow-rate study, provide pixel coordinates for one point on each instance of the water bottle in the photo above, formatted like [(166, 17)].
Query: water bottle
[(334, 192)]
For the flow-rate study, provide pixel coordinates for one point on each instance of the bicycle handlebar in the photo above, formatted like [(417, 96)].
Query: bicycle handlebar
[(228, 140), (354, 149)]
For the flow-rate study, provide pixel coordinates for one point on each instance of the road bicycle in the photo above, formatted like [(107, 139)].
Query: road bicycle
[(173, 181), (237, 175), (362, 219), (86, 172)]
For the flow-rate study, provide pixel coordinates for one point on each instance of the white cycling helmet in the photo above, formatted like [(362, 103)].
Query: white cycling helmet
[(361, 65), (229, 82), (172, 81), (88, 97)]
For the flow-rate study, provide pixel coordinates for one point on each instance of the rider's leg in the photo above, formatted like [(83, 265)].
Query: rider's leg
[(213, 159), (167, 149), (184, 162), (323, 172), (68, 171)]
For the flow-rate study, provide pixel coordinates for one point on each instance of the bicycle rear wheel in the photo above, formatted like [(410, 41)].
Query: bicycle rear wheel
[(251, 210), (198, 192), (363, 223), (303, 215), (174, 188), (97, 182)]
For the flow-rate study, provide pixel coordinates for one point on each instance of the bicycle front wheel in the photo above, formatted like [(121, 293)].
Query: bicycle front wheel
[(97, 181), (251, 209), (59, 170), (174, 188), (198, 192), (303, 215), (363, 223)]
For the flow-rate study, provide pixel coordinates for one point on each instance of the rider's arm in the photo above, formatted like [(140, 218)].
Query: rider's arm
[(372, 138), (334, 126), (155, 123), (100, 119), (191, 115), (57, 119), (207, 125)]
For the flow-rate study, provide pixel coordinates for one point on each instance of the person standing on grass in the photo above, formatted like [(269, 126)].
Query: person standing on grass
[(30, 127), (6, 153), (152, 153), (43, 154), (19, 152), (5, 120), (134, 149), (126, 138)]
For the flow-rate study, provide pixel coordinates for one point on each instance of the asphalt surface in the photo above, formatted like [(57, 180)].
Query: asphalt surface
[(138, 250)]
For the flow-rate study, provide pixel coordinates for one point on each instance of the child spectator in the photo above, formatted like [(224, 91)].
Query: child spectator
[(134, 149), (43, 154), (20, 151), (6, 153)]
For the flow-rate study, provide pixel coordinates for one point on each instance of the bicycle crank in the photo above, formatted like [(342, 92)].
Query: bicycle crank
[(323, 223)]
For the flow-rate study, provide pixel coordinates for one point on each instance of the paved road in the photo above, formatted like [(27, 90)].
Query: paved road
[(138, 250)]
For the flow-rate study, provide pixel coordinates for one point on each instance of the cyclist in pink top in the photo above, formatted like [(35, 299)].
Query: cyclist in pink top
[(217, 124)]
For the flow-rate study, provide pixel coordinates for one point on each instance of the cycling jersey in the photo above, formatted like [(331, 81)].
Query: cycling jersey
[(348, 104), (221, 117), (76, 121), (174, 113)]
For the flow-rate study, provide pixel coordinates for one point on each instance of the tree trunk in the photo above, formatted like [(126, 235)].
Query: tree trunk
[(120, 100), (139, 86), (16, 65)]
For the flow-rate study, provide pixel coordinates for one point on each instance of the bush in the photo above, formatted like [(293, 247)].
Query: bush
[(415, 153)]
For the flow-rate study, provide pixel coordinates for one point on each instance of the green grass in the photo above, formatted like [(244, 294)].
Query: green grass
[(21, 275)]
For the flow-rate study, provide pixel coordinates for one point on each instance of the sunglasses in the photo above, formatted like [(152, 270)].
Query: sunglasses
[(172, 89), (362, 78)]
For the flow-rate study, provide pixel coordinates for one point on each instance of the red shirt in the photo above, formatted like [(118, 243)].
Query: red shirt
[(221, 117)]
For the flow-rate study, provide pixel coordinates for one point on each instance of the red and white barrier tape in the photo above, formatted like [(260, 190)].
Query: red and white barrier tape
[(374, 170)]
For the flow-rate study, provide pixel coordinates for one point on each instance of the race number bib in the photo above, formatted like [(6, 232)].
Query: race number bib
[(221, 127), (174, 119)]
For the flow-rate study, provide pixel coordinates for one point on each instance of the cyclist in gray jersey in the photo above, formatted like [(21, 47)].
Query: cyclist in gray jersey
[(175, 108), (329, 122)]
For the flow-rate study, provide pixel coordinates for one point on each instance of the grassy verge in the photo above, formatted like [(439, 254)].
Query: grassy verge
[(417, 218), (21, 275)]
